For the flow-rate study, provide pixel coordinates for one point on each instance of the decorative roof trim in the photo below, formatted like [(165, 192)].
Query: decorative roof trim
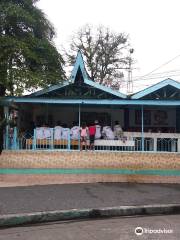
[(93, 101), (49, 89), (104, 88), (156, 87), (79, 64)]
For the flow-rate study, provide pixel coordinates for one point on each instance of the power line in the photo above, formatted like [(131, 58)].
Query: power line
[(150, 84), (166, 74), (162, 65), (163, 76), (157, 74)]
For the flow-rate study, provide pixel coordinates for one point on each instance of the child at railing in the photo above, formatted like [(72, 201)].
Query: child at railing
[(84, 135)]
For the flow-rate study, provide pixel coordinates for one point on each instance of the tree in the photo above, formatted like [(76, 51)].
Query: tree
[(28, 56), (105, 53)]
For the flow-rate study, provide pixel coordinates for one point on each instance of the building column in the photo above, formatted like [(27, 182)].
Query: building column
[(79, 114), (178, 119), (15, 140), (155, 144), (142, 128), (6, 138)]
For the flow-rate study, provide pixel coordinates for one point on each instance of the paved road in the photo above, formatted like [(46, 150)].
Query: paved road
[(107, 229), (60, 197)]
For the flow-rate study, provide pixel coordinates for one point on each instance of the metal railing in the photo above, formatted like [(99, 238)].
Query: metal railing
[(149, 142)]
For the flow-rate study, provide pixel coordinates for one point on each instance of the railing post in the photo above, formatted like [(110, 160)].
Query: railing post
[(7, 138), (142, 128), (52, 138), (14, 146), (178, 145), (173, 145), (34, 140), (69, 140), (155, 144), (79, 139)]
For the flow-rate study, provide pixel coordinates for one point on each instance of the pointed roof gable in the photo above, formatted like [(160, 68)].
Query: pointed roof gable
[(156, 87), (79, 68), (79, 64)]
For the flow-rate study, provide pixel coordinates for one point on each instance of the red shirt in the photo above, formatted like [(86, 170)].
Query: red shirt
[(92, 130)]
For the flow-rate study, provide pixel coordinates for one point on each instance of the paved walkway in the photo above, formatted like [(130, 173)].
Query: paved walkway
[(69, 196)]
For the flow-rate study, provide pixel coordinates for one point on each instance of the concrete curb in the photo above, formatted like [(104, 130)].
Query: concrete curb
[(11, 220)]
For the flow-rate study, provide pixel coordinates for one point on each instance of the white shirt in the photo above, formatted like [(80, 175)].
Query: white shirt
[(57, 132), (40, 133), (107, 131), (43, 132), (65, 133), (75, 132), (98, 132), (47, 132)]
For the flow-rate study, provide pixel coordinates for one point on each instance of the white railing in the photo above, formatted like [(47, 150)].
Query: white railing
[(131, 141), (169, 142)]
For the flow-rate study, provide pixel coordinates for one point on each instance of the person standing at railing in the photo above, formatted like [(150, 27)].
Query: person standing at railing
[(58, 131), (118, 132), (92, 133), (75, 131), (39, 133), (43, 132), (108, 133), (65, 132), (46, 131), (98, 130)]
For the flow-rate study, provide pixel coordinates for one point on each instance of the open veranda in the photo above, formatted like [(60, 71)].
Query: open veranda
[(150, 119)]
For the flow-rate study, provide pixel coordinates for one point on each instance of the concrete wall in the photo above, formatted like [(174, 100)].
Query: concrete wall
[(32, 168)]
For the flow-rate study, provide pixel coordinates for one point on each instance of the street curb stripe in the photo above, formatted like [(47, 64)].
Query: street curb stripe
[(19, 171), (11, 220)]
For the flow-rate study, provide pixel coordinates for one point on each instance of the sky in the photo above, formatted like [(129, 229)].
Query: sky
[(152, 25)]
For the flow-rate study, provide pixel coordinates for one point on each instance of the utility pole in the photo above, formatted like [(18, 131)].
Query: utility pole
[(130, 81)]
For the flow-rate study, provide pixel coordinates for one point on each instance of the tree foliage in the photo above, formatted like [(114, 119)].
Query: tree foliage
[(105, 53), (28, 56)]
